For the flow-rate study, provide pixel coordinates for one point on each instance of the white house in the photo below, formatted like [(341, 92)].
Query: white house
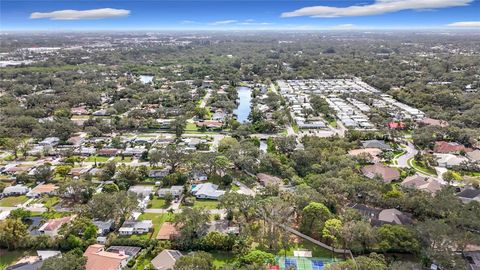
[(130, 227), (207, 191), (15, 190), (176, 191)]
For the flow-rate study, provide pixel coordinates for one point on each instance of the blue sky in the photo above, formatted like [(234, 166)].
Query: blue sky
[(230, 14)]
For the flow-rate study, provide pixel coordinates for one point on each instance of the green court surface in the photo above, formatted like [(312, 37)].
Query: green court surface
[(303, 263)]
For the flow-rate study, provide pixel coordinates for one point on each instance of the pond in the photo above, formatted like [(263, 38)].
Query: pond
[(146, 79), (244, 106)]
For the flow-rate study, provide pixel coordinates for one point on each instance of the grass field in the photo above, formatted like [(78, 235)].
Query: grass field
[(9, 257), (208, 204), (12, 201), (418, 167), (157, 203), (97, 159), (125, 159), (221, 257), (157, 220)]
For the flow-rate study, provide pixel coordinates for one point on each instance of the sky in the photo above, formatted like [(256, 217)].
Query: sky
[(80, 15)]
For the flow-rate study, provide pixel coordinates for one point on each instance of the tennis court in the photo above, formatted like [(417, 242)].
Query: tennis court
[(302, 263)]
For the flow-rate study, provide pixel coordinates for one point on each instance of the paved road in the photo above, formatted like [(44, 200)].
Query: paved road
[(221, 212), (402, 161)]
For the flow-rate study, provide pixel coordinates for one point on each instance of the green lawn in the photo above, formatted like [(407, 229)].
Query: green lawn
[(208, 204), (48, 201), (12, 201), (418, 167), (157, 202), (97, 159), (157, 220), (9, 257), (222, 257), (125, 159), (191, 127)]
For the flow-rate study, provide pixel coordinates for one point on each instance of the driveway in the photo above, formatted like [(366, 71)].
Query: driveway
[(402, 161)]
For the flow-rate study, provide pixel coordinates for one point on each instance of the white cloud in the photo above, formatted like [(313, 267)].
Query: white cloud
[(344, 26), (90, 14), (378, 7), (223, 22), (465, 24)]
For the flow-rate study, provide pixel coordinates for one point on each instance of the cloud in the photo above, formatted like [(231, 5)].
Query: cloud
[(344, 26), (223, 22), (90, 14), (465, 24), (378, 7)]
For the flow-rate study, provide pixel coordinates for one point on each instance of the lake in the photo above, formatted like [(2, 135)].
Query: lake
[(244, 106)]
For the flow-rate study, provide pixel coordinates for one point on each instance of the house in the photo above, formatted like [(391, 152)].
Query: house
[(86, 151), (372, 153), (52, 226), (449, 160), (42, 189), (81, 110), (207, 191), (210, 124), (219, 116), (168, 231), (109, 152), (79, 171), (444, 147), (15, 190), (396, 125), (378, 217), (474, 156), (142, 191), (104, 227), (392, 216), (50, 141), (199, 176), (134, 151), (473, 259), (34, 262), (419, 182), (98, 258), (158, 173), (469, 194), (386, 173), (101, 112), (166, 259), (376, 144), (432, 122), (75, 140), (269, 180), (176, 191), (130, 227)]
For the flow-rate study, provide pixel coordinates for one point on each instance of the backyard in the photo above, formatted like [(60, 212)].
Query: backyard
[(13, 201)]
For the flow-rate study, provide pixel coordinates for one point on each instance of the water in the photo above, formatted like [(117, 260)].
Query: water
[(146, 79), (243, 110)]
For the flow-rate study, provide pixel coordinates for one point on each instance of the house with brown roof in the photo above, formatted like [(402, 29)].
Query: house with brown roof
[(450, 147), (81, 110), (378, 217), (168, 231), (99, 259), (432, 122), (372, 153), (423, 183), (52, 226), (42, 189), (209, 124), (386, 173), (109, 152), (269, 180)]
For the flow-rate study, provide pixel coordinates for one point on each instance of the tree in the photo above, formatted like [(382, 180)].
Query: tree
[(313, 217), (63, 170), (168, 198), (43, 173), (178, 126), (331, 230), (126, 176), (198, 260), (79, 191), (68, 261), (12, 233), (108, 171), (20, 213), (12, 145), (373, 261), (257, 257), (110, 188), (397, 238), (191, 222), (172, 156), (116, 206), (154, 157)]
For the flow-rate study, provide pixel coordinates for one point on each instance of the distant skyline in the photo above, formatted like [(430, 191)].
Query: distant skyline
[(65, 15)]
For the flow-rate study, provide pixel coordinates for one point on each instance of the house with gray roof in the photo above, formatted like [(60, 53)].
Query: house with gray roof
[(176, 191), (376, 144), (207, 191), (15, 190), (166, 259)]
